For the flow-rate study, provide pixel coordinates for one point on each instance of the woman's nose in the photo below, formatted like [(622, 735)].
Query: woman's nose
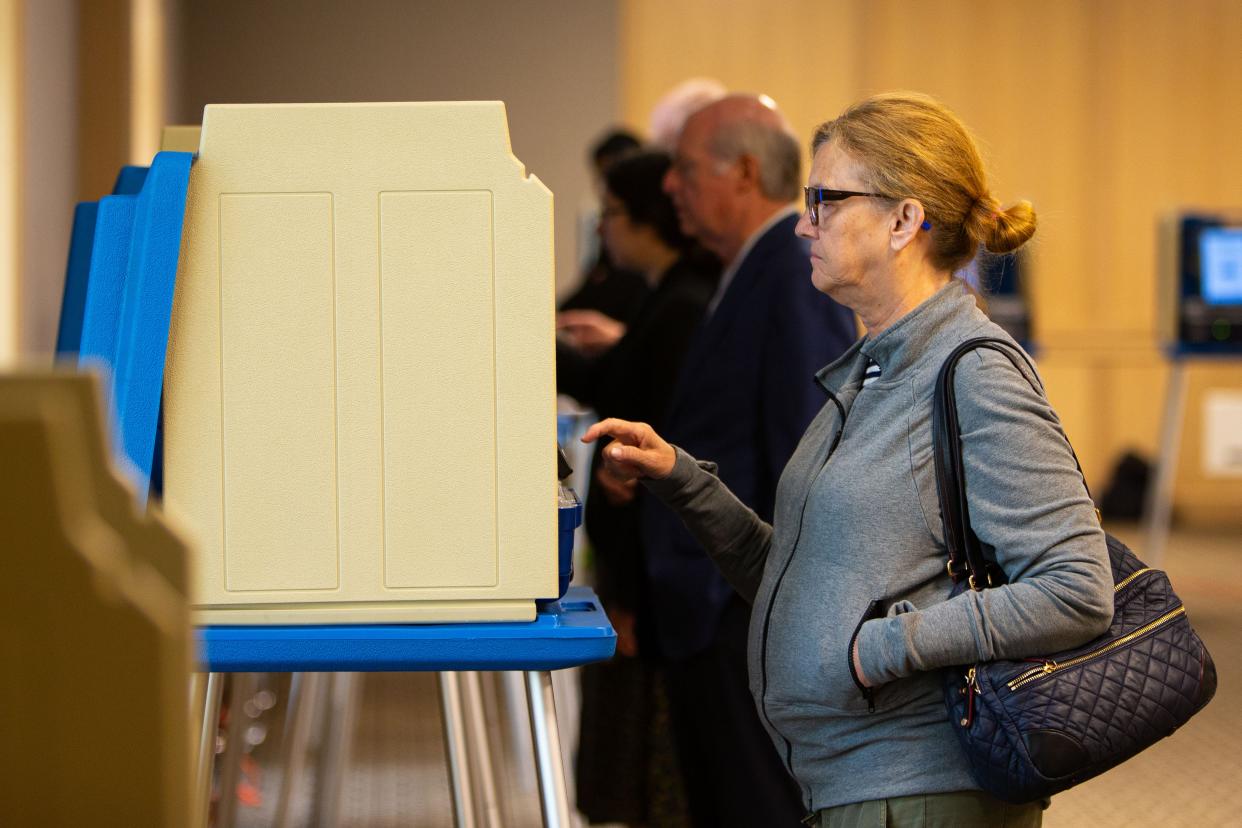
[(804, 228)]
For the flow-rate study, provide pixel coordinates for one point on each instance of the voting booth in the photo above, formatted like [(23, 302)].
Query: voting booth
[(94, 627), (359, 408), (325, 339)]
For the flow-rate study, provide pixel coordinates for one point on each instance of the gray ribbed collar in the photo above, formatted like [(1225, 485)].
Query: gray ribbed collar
[(900, 345)]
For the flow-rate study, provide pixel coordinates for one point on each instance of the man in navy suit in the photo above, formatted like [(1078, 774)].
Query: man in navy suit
[(744, 398)]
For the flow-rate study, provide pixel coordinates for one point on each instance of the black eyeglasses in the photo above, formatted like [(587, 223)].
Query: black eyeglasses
[(816, 196)]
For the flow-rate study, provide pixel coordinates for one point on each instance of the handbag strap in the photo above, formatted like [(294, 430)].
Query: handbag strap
[(966, 558)]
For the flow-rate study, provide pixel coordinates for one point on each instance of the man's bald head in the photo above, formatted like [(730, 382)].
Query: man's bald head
[(750, 125)]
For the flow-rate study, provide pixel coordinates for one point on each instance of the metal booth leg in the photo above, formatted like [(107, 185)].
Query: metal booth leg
[(1160, 494), (480, 748), (553, 799), (342, 709), (519, 754), (304, 692), (456, 748), (212, 693)]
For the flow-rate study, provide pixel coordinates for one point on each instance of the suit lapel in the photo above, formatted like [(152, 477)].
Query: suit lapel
[(734, 302)]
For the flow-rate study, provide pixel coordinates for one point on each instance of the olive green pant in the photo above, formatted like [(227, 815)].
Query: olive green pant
[(961, 809)]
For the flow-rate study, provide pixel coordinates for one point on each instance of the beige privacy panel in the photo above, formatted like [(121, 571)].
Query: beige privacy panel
[(179, 138), (359, 412), (94, 625)]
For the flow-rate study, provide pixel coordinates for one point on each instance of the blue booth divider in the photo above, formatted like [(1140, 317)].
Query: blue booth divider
[(129, 182), (127, 301), (73, 305)]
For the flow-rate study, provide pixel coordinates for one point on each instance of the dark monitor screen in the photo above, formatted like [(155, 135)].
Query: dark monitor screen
[(1209, 313)]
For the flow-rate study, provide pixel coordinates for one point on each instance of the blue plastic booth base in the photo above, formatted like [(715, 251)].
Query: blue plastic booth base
[(565, 633)]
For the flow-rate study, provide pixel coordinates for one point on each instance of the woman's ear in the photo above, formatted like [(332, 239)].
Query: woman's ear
[(907, 220)]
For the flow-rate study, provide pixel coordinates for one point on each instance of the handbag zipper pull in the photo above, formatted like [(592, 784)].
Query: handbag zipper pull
[(971, 688)]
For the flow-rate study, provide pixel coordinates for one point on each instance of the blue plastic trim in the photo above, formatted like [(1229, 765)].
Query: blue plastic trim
[(109, 261), (569, 518), (129, 180), (146, 309), (128, 304), (568, 633), (77, 276)]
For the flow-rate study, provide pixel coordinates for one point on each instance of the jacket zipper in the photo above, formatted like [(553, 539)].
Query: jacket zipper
[(767, 617), (1050, 667), (868, 693)]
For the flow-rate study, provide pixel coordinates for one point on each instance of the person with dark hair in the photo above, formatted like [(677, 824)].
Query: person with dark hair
[(611, 147), (855, 614), (609, 294), (621, 744)]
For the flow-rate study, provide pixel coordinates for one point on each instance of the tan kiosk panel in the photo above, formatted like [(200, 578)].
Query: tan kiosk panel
[(180, 138), (94, 626), (359, 406)]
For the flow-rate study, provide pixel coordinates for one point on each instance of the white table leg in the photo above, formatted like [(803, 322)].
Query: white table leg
[(342, 706), (520, 755), (1160, 492), (213, 691), (456, 747), (480, 749), (548, 761), (304, 692)]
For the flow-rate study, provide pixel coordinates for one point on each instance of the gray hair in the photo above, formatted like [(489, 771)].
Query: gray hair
[(777, 151)]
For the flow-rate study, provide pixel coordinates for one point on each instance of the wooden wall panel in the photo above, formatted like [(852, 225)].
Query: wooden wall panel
[(1107, 115), (809, 68)]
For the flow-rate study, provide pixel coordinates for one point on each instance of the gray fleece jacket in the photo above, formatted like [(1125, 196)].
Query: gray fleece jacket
[(856, 549)]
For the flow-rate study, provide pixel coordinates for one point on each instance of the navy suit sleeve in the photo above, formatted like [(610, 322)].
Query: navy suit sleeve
[(805, 331)]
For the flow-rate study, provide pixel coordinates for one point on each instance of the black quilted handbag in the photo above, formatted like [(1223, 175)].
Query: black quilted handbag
[(1034, 727)]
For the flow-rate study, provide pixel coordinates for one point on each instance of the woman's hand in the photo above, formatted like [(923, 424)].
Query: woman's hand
[(635, 451), (589, 330), (862, 679)]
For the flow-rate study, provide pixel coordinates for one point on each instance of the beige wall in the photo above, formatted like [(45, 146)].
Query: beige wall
[(49, 125), (1106, 114), (10, 181), (37, 170), (553, 62)]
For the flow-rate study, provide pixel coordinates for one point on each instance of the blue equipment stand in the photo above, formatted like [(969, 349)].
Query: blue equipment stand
[(566, 633)]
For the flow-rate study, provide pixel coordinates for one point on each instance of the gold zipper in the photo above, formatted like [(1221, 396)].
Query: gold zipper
[(1131, 577), (1050, 667)]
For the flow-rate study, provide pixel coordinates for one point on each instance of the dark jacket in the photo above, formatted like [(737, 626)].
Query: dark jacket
[(744, 396), (634, 381)]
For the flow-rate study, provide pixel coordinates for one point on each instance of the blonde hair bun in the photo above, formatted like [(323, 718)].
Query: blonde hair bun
[(1000, 230)]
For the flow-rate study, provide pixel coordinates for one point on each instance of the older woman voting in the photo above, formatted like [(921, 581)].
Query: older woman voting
[(852, 610)]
